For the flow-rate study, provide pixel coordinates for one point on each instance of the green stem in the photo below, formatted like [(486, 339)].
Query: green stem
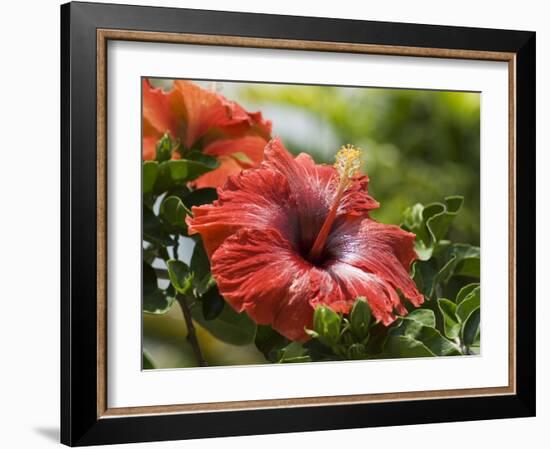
[(191, 332)]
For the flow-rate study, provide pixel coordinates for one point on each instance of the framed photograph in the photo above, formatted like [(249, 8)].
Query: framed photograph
[(281, 224)]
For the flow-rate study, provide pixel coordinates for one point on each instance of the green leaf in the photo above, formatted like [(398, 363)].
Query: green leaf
[(477, 340), (425, 317), (326, 323), (465, 259), (452, 260), (178, 170), (200, 161), (231, 327), (438, 223), (465, 291), (194, 165), (200, 265), (149, 279), (180, 276), (444, 274), (164, 148), (468, 266), (269, 342), (413, 221), (405, 327), (468, 304), (360, 318), (150, 172), (470, 328), (456, 260), (405, 346), (293, 353), (155, 300), (173, 213), (149, 253), (180, 191), (378, 335), (153, 229), (164, 180), (146, 361), (318, 351), (412, 217), (300, 359), (176, 173), (430, 223), (424, 276), (436, 343), (412, 327), (474, 350), (356, 351), (212, 303), (450, 320)]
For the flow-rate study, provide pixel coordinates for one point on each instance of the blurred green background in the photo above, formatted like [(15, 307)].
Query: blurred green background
[(418, 146)]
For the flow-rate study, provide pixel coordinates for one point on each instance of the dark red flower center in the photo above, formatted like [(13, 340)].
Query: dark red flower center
[(316, 253)]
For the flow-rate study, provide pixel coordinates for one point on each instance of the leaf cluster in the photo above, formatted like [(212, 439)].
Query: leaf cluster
[(166, 278)]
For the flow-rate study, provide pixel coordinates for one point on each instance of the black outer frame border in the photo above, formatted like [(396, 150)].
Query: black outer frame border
[(79, 423)]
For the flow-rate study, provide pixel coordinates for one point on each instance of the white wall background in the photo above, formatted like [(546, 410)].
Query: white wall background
[(29, 180)]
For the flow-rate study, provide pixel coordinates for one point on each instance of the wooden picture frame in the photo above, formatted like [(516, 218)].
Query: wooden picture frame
[(86, 29)]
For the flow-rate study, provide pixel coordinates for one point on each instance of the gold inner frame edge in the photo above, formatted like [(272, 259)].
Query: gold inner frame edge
[(103, 36)]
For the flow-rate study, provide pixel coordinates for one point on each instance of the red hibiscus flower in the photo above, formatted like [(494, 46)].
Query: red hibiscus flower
[(202, 119), (292, 235)]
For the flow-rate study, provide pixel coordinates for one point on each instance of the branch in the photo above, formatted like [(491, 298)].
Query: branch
[(191, 333)]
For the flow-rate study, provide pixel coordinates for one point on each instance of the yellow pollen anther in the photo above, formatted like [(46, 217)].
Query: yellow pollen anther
[(348, 162)]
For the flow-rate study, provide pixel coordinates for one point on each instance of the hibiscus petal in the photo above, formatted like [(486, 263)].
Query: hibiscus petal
[(255, 199), (354, 201), (199, 109), (234, 155), (149, 148), (217, 177), (259, 125), (380, 250), (260, 272), (381, 296), (238, 121), (251, 147), (158, 117), (203, 110)]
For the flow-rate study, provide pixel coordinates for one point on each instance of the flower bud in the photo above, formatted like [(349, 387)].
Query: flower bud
[(164, 148), (360, 318), (326, 324)]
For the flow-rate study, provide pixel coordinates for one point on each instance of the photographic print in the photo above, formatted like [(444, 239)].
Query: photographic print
[(288, 223)]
